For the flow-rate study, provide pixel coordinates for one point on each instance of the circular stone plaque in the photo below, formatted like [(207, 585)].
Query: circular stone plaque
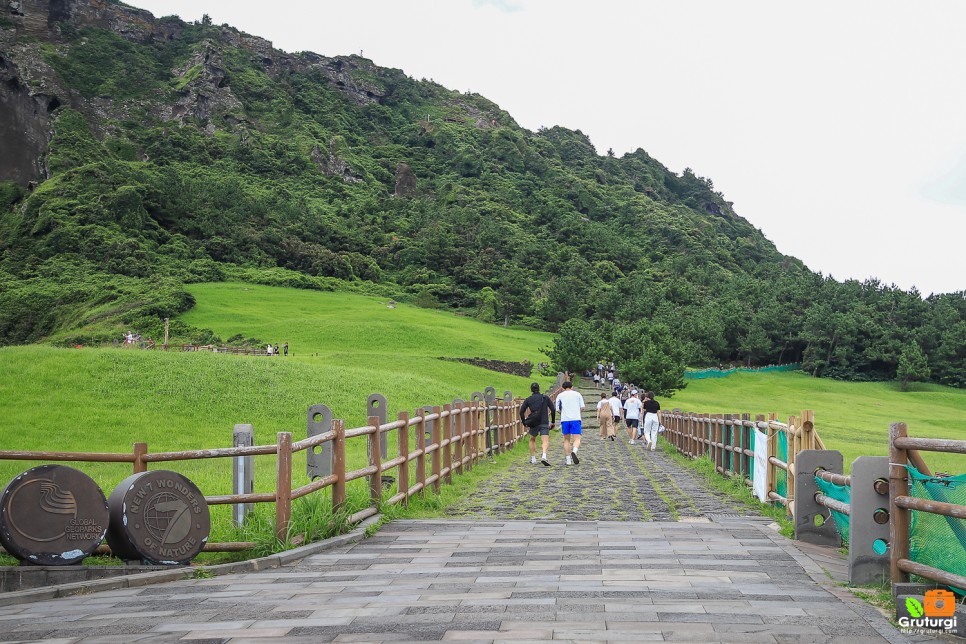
[(52, 515), (158, 517)]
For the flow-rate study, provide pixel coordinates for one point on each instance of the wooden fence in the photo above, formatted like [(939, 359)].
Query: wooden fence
[(903, 450), (880, 507), (459, 436), (726, 440)]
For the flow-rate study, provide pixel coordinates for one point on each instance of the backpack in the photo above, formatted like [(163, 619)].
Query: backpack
[(533, 419)]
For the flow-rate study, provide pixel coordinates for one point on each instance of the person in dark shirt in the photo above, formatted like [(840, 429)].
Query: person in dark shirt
[(651, 421), (540, 408)]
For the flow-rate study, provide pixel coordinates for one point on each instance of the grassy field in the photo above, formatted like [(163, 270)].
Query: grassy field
[(852, 417), (342, 348)]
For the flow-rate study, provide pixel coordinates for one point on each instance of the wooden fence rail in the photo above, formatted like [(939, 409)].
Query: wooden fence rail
[(473, 431), (725, 440), (904, 450)]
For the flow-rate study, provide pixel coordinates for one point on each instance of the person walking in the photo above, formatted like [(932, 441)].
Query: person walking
[(632, 415), (616, 410), (605, 418), (537, 413), (569, 404), (652, 422)]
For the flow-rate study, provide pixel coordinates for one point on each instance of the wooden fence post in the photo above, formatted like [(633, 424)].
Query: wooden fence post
[(744, 444), (402, 434), (793, 437), (421, 449), (808, 427), (772, 478), (718, 460), (458, 426), (338, 464), (447, 425), (437, 457), (140, 449), (375, 460), (283, 486), (898, 486)]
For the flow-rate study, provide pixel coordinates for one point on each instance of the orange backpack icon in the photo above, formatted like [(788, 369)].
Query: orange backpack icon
[(939, 603)]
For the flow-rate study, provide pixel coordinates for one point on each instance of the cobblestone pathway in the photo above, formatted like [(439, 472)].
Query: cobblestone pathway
[(615, 481)]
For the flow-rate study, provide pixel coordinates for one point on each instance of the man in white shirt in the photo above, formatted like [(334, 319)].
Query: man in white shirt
[(615, 407), (569, 404), (632, 415)]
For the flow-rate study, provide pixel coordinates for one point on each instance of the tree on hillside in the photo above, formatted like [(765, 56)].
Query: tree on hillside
[(576, 347), (912, 365)]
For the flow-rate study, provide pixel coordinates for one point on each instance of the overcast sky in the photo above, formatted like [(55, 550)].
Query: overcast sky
[(838, 128)]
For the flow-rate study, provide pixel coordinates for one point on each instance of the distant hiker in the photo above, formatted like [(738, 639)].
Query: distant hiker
[(276, 350), (268, 350), (285, 349), (597, 381), (605, 418), (610, 377), (569, 404), (632, 415), (538, 415), (652, 421), (615, 408)]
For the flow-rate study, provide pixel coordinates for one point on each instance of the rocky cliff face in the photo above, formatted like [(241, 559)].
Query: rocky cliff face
[(30, 90)]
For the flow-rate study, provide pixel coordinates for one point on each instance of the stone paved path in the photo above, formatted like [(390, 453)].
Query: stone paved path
[(614, 481), (586, 565)]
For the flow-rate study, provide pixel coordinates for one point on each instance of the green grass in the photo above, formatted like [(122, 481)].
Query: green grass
[(347, 329), (342, 348), (852, 417)]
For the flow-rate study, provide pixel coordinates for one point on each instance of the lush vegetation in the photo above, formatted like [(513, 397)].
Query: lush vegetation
[(195, 156)]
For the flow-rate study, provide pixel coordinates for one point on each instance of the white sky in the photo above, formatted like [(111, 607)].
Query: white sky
[(836, 127)]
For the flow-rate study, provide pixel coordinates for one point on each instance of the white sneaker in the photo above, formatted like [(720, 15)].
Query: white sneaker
[(632, 441), (569, 462), (533, 460)]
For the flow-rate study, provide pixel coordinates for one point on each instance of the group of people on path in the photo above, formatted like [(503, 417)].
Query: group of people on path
[(539, 414), (640, 417), (273, 351)]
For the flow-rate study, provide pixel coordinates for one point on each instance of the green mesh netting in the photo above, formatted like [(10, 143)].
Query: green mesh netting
[(701, 374), (936, 540), (781, 485), (839, 493)]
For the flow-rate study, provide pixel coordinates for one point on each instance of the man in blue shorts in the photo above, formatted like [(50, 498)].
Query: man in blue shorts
[(569, 404)]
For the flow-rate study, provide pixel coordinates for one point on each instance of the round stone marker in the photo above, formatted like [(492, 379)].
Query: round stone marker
[(52, 515), (159, 517)]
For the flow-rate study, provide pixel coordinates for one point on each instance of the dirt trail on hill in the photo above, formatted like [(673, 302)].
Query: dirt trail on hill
[(615, 481)]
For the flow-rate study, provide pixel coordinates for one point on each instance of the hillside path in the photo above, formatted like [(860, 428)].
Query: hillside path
[(614, 481), (624, 547)]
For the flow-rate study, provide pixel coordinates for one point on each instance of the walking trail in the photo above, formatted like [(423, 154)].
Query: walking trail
[(625, 546)]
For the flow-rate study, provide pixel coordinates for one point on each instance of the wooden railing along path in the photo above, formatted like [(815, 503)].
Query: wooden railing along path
[(880, 506), (449, 439)]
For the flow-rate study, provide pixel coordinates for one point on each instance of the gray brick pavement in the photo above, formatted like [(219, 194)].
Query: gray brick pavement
[(511, 581)]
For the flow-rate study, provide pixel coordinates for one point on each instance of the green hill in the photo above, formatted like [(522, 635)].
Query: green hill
[(148, 153)]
